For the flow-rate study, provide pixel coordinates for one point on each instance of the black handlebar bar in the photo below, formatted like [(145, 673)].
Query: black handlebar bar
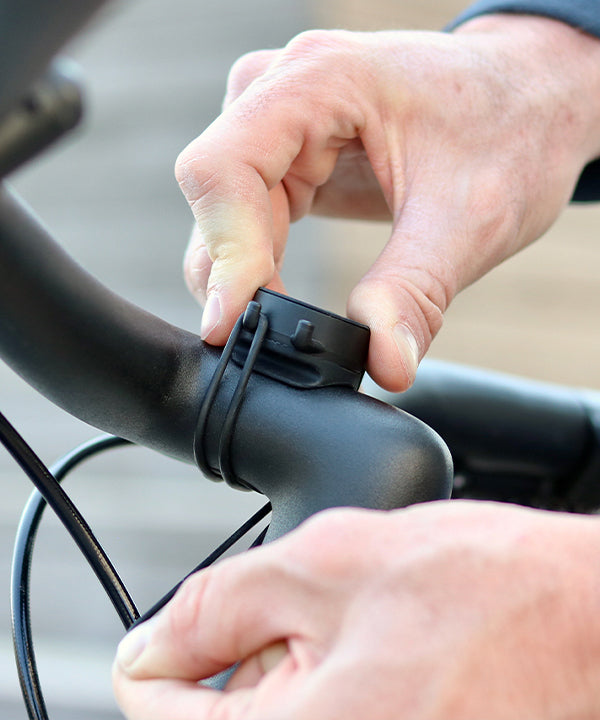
[(127, 372), (510, 438)]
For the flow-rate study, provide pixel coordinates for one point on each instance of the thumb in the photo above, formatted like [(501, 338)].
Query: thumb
[(402, 299)]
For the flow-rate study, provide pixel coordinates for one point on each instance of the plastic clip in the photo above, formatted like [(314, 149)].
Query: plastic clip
[(256, 323)]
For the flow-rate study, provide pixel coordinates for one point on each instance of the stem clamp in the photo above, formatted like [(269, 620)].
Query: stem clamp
[(290, 342)]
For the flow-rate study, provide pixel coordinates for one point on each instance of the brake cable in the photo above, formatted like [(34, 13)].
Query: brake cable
[(49, 492)]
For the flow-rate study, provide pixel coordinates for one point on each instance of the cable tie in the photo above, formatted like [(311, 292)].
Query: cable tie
[(256, 323)]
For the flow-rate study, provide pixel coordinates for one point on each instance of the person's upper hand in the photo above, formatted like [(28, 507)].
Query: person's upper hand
[(470, 142), (447, 611)]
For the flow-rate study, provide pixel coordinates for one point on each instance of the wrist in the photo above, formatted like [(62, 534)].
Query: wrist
[(559, 66)]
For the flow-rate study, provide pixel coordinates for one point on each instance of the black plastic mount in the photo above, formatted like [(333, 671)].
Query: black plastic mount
[(304, 346), (288, 341)]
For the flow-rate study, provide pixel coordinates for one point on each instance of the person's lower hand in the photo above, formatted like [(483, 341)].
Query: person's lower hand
[(446, 611), (470, 142)]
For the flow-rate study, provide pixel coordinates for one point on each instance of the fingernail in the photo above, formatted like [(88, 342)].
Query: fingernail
[(211, 316), (408, 349), (132, 645), (272, 655)]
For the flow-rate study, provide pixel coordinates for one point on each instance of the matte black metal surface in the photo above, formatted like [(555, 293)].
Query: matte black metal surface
[(511, 439), (489, 418), (31, 33)]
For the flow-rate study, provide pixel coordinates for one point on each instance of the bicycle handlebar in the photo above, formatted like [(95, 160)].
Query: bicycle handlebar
[(126, 371), (31, 32), (542, 439)]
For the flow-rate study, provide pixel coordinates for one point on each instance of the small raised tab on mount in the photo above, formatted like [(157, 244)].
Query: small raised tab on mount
[(303, 339), (305, 346)]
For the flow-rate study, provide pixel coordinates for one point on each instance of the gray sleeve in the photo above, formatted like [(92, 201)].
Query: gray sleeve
[(582, 14)]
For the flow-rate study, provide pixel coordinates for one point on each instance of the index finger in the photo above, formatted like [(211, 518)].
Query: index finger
[(234, 218), (228, 175), (217, 618)]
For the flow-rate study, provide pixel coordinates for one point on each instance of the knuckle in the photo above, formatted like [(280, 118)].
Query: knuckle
[(182, 164), (430, 297), (243, 66), (317, 59), (317, 43), (323, 66), (413, 292), (243, 71), (231, 255), (196, 174)]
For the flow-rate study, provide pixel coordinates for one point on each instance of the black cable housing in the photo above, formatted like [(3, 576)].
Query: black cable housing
[(21, 574), (72, 519), (24, 546)]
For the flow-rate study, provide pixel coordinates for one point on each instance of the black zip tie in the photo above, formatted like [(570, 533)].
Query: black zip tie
[(253, 321)]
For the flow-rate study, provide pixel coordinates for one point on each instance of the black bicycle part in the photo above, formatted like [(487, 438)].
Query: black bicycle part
[(31, 33), (21, 573), (212, 558), (273, 337), (225, 463), (205, 407), (511, 439), (52, 107), (257, 324), (72, 519), (305, 346), (142, 379)]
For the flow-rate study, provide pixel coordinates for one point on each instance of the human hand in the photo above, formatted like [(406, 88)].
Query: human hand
[(470, 142), (447, 611)]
